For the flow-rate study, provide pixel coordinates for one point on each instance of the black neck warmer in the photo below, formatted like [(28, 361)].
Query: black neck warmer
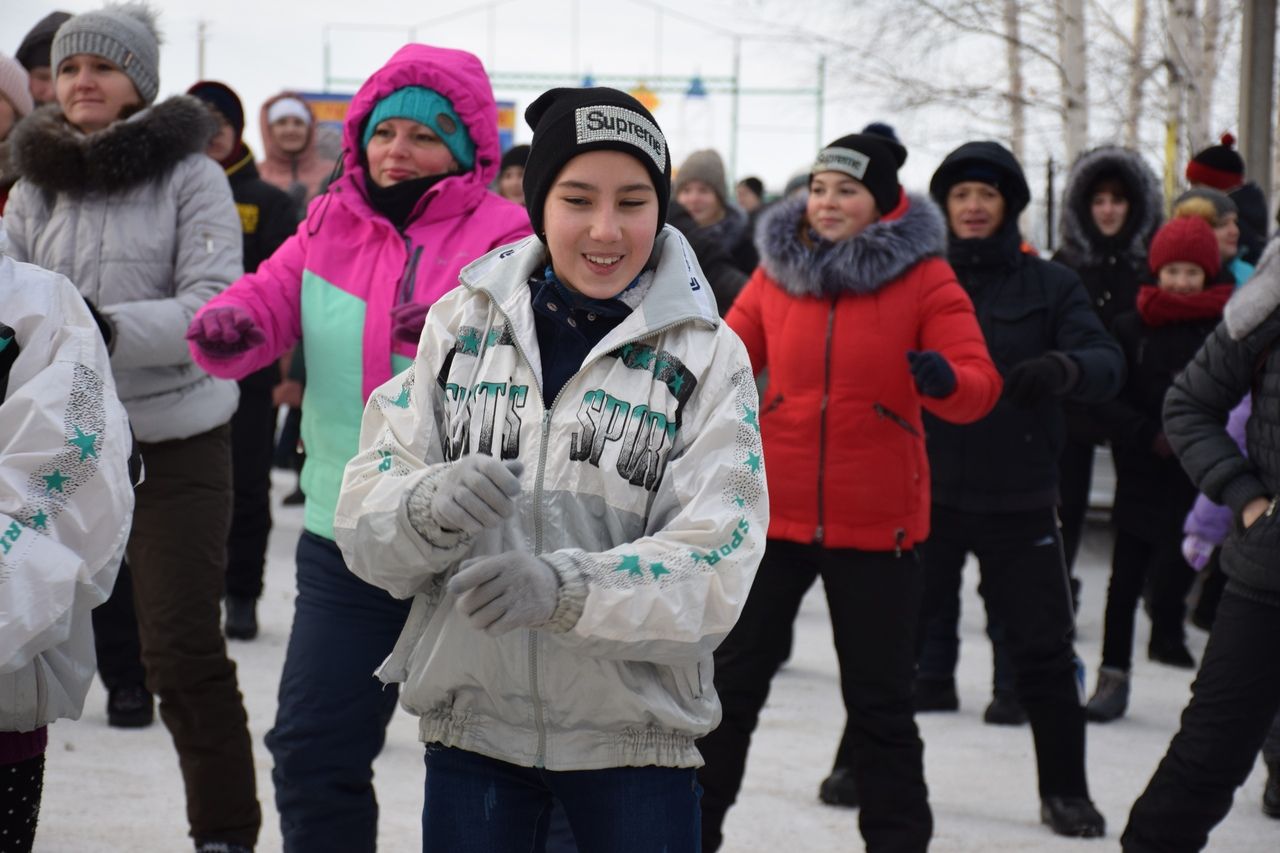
[(398, 201), (999, 251)]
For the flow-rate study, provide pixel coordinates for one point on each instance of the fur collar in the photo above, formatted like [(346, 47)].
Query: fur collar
[(1081, 238), (1258, 298), (54, 156), (859, 265)]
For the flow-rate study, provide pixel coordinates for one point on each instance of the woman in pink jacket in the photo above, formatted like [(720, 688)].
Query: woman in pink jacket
[(420, 148)]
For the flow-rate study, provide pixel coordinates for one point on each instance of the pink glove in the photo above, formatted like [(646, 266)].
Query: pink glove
[(1196, 551), (407, 321), (225, 331)]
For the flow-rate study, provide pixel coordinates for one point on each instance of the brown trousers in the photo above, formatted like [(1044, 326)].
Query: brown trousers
[(178, 551)]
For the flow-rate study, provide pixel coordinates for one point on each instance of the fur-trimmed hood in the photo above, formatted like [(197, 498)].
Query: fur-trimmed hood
[(859, 265), (1080, 236), (47, 151)]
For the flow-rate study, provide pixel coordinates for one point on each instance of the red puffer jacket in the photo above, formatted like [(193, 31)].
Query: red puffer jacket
[(840, 417)]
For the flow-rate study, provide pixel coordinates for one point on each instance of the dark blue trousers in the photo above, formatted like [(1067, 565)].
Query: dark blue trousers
[(476, 804), (332, 715)]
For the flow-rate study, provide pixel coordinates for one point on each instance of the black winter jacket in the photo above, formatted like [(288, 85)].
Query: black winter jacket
[(1241, 356), (1111, 268), (1153, 493), (1027, 307)]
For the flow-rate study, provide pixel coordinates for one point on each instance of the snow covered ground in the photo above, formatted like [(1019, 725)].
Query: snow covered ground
[(109, 790)]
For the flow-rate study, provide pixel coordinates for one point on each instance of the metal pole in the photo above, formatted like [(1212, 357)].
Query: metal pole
[(1050, 195), (327, 67), (733, 115), (1257, 91), (201, 29), (822, 96)]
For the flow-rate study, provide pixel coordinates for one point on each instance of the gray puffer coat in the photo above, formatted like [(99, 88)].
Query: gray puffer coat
[(144, 224), (1242, 356)]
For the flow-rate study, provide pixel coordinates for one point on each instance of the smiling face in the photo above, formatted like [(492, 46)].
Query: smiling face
[(1181, 277), (975, 210), (1109, 212), (601, 220), (93, 91), (402, 149), (839, 207), (702, 202)]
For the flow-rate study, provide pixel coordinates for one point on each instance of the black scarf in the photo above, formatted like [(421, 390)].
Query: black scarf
[(398, 201)]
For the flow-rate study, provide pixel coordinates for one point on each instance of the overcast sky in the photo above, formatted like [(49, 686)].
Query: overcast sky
[(259, 48)]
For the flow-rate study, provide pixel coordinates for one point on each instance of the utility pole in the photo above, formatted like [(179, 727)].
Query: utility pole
[(1257, 91), (202, 30)]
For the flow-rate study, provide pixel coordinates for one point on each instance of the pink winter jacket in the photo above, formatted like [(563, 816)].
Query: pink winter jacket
[(335, 282)]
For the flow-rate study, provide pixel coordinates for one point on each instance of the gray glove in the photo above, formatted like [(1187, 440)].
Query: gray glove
[(475, 493), (507, 591)]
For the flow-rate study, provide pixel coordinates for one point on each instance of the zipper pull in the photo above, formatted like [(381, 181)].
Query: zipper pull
[(898, 539)]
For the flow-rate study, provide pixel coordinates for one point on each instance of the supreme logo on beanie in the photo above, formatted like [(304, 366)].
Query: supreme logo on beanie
[(869, 158), (569, 122)]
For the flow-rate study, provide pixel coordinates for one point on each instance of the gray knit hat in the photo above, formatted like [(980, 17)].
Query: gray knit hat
[(705, 166), (124, 34)]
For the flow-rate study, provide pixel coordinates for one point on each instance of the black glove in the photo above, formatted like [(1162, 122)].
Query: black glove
[(933, 376), (1032, 380), (107, 330)]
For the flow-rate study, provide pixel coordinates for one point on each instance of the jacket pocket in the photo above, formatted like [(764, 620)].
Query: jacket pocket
[(771, 405), (1017, 332), (885, 412)]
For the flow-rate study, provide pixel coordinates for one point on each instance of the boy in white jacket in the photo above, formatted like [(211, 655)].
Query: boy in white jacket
[(569, 483), (66, 502)]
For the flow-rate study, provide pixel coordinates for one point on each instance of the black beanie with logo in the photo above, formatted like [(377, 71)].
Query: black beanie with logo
[(569, 122), (872, 159)]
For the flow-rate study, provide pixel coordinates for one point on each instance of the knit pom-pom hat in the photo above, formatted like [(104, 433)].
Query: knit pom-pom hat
[(1189, 239), (1218, 166)]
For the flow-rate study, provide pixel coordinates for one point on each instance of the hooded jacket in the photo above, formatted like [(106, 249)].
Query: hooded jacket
[(1111, 268), (66, 503), (643, 488), (841, 415), (1242, 356), (301, 175), (337, 279), (1026, 307), (143, 223)]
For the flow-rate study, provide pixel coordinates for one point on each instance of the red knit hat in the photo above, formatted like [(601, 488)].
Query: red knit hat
[(1186, 238), (1218, 166)]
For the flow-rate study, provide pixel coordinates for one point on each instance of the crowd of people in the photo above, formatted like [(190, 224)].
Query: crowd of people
[(582, 426)]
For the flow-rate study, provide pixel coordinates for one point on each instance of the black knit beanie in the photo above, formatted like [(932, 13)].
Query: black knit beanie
[(569, 122), (872, 159), (37, 47), (222, 98), (516, 155)]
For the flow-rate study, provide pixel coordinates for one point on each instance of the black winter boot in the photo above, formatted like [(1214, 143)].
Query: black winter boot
[(1271, 793), (130, 707), (838, 789), (1005, 710), (936, 694), (1111, 699), (1074, 817), (242, 618)]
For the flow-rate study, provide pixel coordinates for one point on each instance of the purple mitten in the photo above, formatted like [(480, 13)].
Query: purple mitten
[(224, 331), (1196, 551), (407, 321)]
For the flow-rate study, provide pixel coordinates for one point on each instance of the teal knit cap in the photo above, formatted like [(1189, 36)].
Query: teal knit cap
[(428, 107)]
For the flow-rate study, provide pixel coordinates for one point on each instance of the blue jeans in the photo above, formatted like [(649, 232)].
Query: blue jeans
[(475, 804), (333, 713)]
